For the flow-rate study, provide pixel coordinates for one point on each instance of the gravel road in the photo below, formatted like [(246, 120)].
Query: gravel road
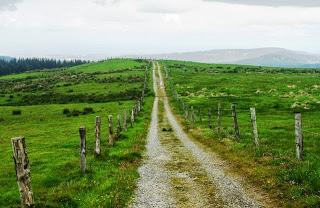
[(177, 172)]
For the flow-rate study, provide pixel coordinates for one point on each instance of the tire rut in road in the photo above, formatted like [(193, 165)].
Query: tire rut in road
[(190, 185)]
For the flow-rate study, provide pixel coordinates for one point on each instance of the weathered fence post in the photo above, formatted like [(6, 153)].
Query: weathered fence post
[(83, 138), (141, 103), (136, 109), (21, 161), (219, 118), (111, 136), (132, 117), (193, 116), (97, 150), (139, 106), (209, 118), (142, 96), (186, 113), (235, 122), (299, 136), (125, 128), (254, 126), (119, 129)]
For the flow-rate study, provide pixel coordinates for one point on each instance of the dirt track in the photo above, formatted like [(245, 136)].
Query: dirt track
[(179, 172)]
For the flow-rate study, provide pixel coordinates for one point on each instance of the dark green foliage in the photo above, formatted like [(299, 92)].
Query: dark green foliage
[(21, 65), (16, 112), (66, 111), (87, 110)]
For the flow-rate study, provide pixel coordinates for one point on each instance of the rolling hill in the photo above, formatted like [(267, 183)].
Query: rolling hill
[(259, 56)]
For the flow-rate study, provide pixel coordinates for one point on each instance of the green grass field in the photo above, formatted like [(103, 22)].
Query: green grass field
[(52, 138), (276, 94)]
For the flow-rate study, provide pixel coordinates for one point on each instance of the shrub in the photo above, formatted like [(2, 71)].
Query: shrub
[(16, 112), (75, 113), (66, 111), (87, 110)]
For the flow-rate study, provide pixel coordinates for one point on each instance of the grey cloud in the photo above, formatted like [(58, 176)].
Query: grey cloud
[(8, 4), (160, 10), (273, 3), (105, 2)]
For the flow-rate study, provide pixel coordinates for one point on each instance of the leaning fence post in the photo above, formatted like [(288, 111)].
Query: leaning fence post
[(21, 161), (97, 137), (299, 136), (111, 136), (235, 122), (219, 118), (125, 128), (254, 126), (82, 132)]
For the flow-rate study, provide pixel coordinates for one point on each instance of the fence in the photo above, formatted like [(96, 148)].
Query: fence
[(20, 156), (194, 115)]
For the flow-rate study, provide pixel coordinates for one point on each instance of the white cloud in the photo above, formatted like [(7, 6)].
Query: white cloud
[(114, 27)]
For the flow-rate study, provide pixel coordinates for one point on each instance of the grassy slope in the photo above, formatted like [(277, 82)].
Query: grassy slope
[(273, 165), (53, 145)]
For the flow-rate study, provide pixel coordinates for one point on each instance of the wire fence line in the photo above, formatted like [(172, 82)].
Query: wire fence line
[(202, 115)]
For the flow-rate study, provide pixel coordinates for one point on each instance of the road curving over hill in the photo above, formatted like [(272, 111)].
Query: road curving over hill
[(179, 172)]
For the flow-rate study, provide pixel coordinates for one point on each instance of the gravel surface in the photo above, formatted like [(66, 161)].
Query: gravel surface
[(228, 188), (154, 186), (178, 172)]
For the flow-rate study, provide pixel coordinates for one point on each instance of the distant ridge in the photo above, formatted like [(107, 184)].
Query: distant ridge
[(259, 56)]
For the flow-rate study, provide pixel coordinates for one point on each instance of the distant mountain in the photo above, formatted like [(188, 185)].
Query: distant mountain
[(6, 58), (259, 56)]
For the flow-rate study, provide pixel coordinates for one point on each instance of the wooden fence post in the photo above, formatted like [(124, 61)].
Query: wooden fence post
[(21, 161), (219, 118), (136, 109), (299, 136), (235, 122), (139, 106), (119, 129), (193, 116), (97, 149), (111, 136), (209, 118), (186, 113), (125, 121), (254, 126), (132, 117), (83, 138)]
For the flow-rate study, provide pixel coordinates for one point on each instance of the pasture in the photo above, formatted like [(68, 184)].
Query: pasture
[(40, 101)]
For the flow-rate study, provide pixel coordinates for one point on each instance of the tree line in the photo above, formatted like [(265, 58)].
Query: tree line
[(26, 64)]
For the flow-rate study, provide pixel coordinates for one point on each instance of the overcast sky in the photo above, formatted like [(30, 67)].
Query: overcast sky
[(118, 27)]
